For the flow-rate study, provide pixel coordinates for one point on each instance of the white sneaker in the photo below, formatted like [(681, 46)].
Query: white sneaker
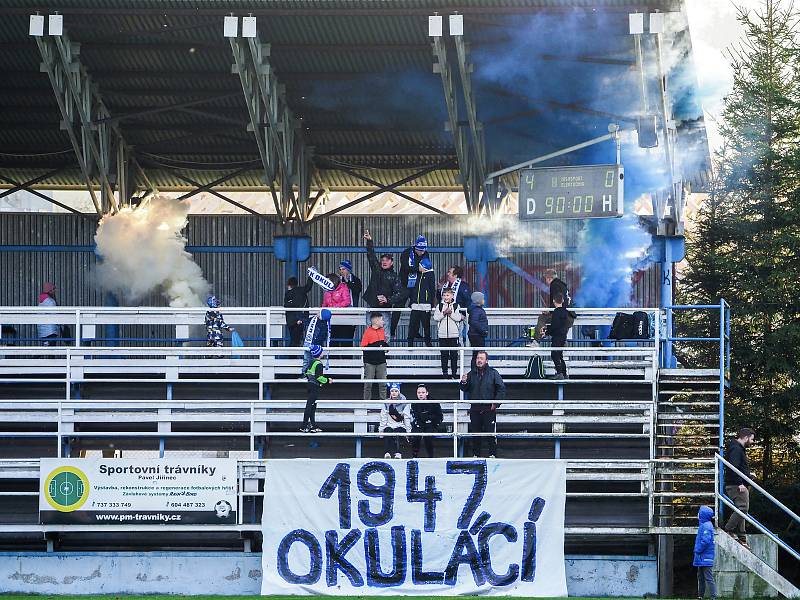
[(491, 456), (398, 455), (387, 455)]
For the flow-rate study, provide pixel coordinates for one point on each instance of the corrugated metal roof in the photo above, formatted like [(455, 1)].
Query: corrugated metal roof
[(358, 72)]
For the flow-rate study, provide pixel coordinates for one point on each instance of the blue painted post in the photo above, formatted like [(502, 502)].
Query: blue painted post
[(666, 301), (112, 330), (481, 250), (292, 250)]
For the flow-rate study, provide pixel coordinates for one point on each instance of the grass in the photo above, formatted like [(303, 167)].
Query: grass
[(175, 597)]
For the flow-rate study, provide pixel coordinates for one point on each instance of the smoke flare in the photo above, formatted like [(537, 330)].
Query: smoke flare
[(144, 251)]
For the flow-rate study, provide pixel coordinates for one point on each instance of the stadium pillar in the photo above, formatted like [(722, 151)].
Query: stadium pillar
[(668, 251), (112, 330), (292, 250), (481, 250)]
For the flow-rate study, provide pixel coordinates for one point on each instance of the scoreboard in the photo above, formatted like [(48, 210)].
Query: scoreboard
[(582, 192)]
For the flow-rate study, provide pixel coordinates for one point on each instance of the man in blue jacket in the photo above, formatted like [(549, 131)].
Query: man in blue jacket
[(704, 553)]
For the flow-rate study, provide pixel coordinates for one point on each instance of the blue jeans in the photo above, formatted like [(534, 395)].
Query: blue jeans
[(306, 361)]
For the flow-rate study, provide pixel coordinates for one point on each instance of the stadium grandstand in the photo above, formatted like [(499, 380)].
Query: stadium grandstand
[(155, 153)]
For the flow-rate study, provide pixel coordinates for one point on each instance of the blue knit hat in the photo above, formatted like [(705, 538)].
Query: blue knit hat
[(422, 243), (316, 351), (325, 314), (346, 264), (212, 302), (426, 263), (393, 386)]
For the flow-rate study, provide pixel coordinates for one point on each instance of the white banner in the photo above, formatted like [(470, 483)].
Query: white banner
[(434, 526), (119, 491)]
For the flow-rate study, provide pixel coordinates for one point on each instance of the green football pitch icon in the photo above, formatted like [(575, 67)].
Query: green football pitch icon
[(67, 489)]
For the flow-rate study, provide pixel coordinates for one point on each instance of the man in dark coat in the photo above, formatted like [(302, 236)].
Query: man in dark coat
[(296, 297), (425, 418), (737, 488), (383, 290), (557, 287), (486, 391)]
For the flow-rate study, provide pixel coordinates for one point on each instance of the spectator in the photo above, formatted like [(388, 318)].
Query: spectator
[(463, 295), (704, 554), (478, 324), (395, 418), (383, 290), (486, 391), (448, 316), (736, 488), (48, 332), (318, 333), (409, 269), (339, 297), (422, 300), (296, 297), (353, 283), (316, 379), (425, 418), (558, 328), (556, 286), (215, 324), (374, 360)]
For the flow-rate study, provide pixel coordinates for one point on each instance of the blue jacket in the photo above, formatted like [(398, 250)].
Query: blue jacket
[(478, 321), (704, 542)]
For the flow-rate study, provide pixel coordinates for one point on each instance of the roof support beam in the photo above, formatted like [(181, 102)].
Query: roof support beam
[(96, 146), (26, 186), (284, 156), (466, 159), (384, 188)]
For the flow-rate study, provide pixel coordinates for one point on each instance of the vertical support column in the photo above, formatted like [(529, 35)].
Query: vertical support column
[(482, 251), (668, 250), (292, 250)]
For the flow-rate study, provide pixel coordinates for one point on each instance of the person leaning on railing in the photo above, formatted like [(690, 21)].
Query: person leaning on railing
[(737, 488)]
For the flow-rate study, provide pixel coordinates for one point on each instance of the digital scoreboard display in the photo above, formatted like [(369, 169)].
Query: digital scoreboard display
[(583, 192)]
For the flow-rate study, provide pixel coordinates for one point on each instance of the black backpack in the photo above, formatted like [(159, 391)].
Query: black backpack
[(535, 368), (623, 327)]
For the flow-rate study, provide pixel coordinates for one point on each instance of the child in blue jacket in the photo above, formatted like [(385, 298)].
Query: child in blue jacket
[(704, 553)]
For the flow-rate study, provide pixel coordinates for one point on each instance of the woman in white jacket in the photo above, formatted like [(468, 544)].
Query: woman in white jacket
[(448, 317), (395, 418)]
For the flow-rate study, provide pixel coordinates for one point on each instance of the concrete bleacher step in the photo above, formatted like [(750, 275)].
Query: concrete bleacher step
[(755, 565)]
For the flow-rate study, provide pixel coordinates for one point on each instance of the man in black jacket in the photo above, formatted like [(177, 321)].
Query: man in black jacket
[(486, 391), (557, 287), (296, 297), (383, 290), (557, 330), (409, 271), (736, 488)]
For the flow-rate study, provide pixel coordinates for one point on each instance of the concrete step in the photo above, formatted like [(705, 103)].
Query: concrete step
[(755, 565)]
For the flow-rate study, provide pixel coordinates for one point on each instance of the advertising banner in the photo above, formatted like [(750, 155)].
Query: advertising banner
[(121, 491), (418, 527)]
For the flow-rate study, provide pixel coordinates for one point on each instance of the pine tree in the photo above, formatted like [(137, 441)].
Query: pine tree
[(746, 246)]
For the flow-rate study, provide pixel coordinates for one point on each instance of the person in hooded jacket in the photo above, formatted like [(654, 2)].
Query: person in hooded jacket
[(383, 291), (215, 324), (486, 390), (409, 271), (704, 553), (354, 285), (48, 332), (395, 418), (422, 299), (339, 297), (425, 418)]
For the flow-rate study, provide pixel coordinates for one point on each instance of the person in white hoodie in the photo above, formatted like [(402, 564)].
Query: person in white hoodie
[(448, 317), (395, 418)]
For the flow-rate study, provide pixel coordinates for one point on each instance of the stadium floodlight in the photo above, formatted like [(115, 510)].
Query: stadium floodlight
[(456, 24), (231, 27), (435, 26), (36, 27), (249, 27), (55, 24), (656, 22), (636, 23)]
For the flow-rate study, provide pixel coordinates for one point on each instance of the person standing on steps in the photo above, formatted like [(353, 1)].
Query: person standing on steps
[(383, 291), (737, 488)]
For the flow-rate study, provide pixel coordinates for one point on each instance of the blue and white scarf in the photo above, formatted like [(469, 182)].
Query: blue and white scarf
[(453, 286), (320, 279), (308, 341), (413, 268)]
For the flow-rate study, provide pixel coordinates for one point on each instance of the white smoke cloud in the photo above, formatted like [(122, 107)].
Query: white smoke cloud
[(144, 251)]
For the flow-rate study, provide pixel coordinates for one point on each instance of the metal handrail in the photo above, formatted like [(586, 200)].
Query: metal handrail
[(721, 497)]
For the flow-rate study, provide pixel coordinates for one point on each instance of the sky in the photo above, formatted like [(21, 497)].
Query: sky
[(714, 28)]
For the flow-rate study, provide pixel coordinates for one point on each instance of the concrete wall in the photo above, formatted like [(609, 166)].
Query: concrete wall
[(735, 581), (229, 573)]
